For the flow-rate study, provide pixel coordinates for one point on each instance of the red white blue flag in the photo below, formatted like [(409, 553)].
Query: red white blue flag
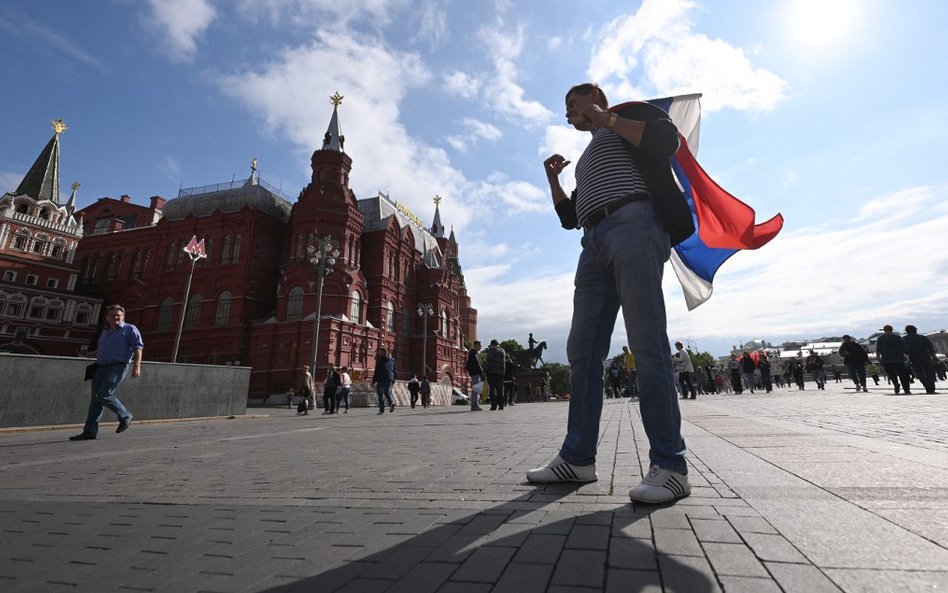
[(724, 224)]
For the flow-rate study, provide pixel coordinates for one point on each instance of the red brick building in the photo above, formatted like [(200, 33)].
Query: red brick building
[(253, 300), (40, 310)]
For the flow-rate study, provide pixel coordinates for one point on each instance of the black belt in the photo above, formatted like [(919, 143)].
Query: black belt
[(611, 208)]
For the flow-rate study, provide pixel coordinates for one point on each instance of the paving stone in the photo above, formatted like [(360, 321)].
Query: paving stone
[(801, 578), (589, 537), (639, 581), (773, 548), (541, 548), (687, 574), (632, 554), (580, 568), (524, 578), (485, 565), (708, 530), (749, 585), (677, 542)]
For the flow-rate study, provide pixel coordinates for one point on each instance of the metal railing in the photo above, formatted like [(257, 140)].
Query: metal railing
[(227, 185)]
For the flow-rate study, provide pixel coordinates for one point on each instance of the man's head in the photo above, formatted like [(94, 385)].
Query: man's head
[(115, 314), (579, 98), (887, 328), (812, 352), (911, 329), (625, 349), (383, 352), (494, 343), (847, 338), (476, 345), (678, 345)]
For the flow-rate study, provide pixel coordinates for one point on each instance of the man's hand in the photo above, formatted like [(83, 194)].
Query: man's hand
[(554, 165), (590, 119), (136, 372)]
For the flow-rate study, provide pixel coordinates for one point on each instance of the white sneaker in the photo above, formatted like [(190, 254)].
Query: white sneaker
[(660, 485), (560, 470)]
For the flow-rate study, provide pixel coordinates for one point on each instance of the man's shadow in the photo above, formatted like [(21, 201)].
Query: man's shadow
[(521, 545)]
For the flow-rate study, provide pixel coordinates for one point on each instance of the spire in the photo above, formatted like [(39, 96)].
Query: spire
[(334, 140), (42, 180), (451, 237), (437, 229), (254, 178), (71, 204)]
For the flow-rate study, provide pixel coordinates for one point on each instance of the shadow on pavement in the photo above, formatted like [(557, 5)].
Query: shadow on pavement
[(518, 546)]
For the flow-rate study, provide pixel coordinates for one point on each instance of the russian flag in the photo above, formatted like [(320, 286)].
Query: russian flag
[(724, 224)]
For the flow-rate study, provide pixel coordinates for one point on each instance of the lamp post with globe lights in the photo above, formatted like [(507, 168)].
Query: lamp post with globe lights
[(322, 253)]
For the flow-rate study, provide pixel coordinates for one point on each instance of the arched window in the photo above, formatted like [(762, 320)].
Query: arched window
[(37, 309), (294, 304), (390, 318), (193, 313), (356, 311), (444, 323), (223, 308), (59, 249), (164, 315), (16, 305), (169, 264), (225, 254), (22, 239), (299, 246), (54, 311), (22, 208), (112, 268), (44, 213), (236, 257), (40, 244), (83, 314)]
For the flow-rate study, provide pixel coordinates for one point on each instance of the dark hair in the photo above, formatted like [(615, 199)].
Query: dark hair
[(115, 307), (911, 329), (586, 88)]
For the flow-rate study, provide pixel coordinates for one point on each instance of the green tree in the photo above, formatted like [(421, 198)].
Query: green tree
[(559, 377), (702, 359), (510, 346)]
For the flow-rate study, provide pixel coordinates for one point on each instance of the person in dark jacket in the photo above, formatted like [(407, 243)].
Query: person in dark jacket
[(891, 350), (814, 366), (383, 379), (476, 371), (921, 352), (425, 389), (414, 387), (855, 359), (329, 390), (495, 366), (748, 366), (510, 386)]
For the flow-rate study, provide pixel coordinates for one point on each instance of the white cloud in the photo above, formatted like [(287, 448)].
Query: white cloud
[(322, 13), (474, 131), (181, 23), (658, 44), (462, 84), (554, 43), (432, 22), (170, 167), (20, 26), (505, 47)]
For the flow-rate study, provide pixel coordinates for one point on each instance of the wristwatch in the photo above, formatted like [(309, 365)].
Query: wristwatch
[(612, 121)]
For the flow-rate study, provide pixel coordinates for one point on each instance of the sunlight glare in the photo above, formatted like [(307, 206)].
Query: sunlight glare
[(821, 23)]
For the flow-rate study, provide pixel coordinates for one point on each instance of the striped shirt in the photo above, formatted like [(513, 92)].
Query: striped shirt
[(604, 173)]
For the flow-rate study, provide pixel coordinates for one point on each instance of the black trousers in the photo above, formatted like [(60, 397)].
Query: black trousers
[(896, 372), (925, 372), (496, 393)]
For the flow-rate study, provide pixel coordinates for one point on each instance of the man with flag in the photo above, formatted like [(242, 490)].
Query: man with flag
[(625, 247)]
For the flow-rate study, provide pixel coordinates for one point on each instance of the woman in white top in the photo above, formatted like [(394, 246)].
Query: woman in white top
[(345, 382)]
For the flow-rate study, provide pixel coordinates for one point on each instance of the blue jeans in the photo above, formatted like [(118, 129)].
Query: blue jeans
[(384, 392), (621, 265), (104, 383), (343, 396)]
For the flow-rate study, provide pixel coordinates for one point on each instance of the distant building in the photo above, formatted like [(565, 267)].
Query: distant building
[(253, 300), (41, 312)]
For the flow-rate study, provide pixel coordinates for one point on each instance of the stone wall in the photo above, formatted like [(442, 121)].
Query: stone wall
[(49, 390)]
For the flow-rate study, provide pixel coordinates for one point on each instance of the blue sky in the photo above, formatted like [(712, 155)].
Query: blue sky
[(831, 112)]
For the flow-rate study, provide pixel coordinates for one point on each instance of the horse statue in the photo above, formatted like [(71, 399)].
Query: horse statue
[(528, 357)]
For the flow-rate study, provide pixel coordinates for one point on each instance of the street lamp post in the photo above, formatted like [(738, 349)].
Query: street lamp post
[(322, 254), (425, 311), (195, 250)]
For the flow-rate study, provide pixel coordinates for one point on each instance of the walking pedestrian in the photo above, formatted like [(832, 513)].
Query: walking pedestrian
[(329, 390), (891, 350), (494, 366), (476, 371), (306, 393), (921, 352), (119, 354), (345, 388), (425, 389), (383, 378), (855, 359), (413, 388)]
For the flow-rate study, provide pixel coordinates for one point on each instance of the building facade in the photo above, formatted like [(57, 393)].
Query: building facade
[(253, 300), (41, 310)]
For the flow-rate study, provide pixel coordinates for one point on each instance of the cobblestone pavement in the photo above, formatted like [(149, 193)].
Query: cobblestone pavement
[(792, 491)]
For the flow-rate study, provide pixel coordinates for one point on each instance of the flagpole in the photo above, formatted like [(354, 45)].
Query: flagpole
[(195, 251)]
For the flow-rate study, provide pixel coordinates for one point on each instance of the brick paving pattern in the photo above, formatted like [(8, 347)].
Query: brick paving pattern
[(792, 492)]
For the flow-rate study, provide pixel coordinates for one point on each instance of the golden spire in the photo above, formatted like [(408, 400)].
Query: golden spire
[(336, 99), (75, 185), (437, 199), (59, 126), (253, 164)]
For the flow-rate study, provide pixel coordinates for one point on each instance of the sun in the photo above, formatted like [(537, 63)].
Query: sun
[(819, 24)]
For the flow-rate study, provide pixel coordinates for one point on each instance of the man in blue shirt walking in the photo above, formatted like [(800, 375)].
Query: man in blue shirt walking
[(119, 351)]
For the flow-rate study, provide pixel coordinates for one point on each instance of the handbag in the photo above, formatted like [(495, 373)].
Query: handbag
[(90, 371)]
